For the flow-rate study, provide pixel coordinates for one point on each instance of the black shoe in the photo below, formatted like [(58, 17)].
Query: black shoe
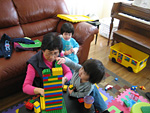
[(148, 95), (6, 46)]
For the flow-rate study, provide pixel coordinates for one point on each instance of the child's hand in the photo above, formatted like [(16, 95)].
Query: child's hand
[(67, 52), (60, 60), (72, 50), (70, 91)]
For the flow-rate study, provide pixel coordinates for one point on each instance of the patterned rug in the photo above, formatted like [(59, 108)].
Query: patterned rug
[(120, 93), (113, 97)]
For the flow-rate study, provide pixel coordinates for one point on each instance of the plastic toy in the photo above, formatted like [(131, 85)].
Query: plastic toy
[(81, 100), (142, 87), (121, 53), (74, 18), (37, 107), (108, 87), (134, 88), (116, 79), (52, 82), (71, 87), (65, 88), (29, 105), (42, 101)]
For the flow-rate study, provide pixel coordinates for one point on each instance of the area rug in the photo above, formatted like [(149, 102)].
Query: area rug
[(113, 97), (120, 92)]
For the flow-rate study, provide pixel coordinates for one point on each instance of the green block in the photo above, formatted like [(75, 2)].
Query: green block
[(145, 109), (63, 110), (46, 71), (32, 101), (57, 65)]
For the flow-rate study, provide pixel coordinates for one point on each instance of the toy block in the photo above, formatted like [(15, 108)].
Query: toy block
[(57, 65), (32, 101), (65, 88), (46, 72), (71, 87), (29, 105), (57, 71), (81, 100), (42, 101), (37, 107)]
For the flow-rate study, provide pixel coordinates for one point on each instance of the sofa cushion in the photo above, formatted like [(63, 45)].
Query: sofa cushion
[(39, 17), (9, 18)]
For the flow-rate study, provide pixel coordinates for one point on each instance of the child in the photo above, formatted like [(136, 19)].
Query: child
[(45, 58), (83, 79), (70, 46)]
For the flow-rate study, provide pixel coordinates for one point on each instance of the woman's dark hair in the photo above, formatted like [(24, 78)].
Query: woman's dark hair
[(51, 41), (95, 69), (68, 28)]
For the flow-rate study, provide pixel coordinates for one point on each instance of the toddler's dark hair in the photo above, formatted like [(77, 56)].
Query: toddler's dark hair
[(52, 41), (68, 28), (95, 69)]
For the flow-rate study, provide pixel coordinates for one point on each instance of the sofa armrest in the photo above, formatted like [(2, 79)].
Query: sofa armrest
[(84, 34)]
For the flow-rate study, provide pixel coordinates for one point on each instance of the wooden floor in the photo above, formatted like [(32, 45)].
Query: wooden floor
[(99, 51)]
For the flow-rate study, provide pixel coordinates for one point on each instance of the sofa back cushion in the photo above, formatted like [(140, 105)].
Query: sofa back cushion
[(9, 22), (38, 17)]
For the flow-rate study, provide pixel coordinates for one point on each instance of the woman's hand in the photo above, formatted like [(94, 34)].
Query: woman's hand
[(39, 91), (60, 60), (64, 80)]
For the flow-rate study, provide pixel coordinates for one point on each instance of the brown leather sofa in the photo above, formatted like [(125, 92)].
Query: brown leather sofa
[(34, 18)]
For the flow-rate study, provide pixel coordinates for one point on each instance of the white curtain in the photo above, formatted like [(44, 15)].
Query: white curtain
[(100, 8)]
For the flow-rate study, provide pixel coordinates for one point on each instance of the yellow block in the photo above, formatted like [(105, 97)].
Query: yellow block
[(53, 106), (47, 92), (57, 71), (53, 99), (51, 79), (65, 88), (46, 84), (42, 101)]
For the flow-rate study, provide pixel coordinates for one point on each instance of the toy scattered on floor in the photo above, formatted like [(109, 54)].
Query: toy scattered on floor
[(142, 87), (81, 100), (37, 108), (29, 105), (121, 53), (134, 88), (108, 87), (116, 79)]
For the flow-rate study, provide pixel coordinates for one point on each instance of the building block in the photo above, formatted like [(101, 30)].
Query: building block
[(42, 101), (37, 107), (65, 88), (53, 89), (29, 105), (145, 109), (57, 71), (71, 87)]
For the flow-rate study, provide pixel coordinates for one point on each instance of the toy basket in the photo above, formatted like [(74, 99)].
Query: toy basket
[(129, 57)]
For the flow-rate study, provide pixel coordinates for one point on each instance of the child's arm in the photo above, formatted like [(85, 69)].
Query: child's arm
[(79, 94), (75, 46), (69, 63)]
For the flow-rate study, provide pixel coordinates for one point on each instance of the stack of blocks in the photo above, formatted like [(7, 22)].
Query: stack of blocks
[(52, 83)]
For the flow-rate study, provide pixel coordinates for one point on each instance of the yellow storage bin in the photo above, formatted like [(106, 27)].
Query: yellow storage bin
[(129, 57)]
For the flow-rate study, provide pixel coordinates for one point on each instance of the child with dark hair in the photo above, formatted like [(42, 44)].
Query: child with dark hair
[(83, 79), (70, 45), (45, 58)]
